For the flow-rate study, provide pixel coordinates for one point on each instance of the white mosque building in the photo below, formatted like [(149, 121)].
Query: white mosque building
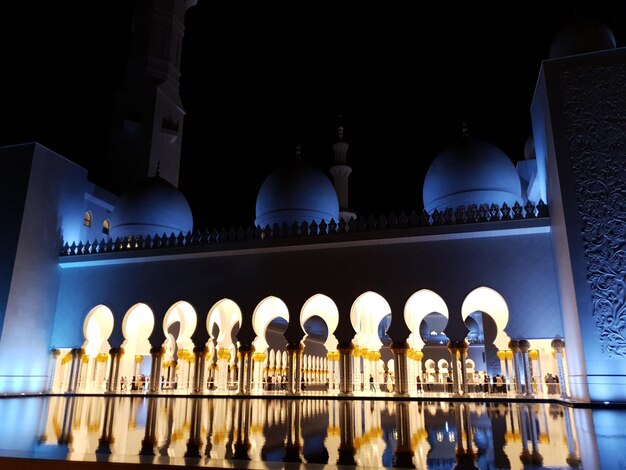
[(514, 270)]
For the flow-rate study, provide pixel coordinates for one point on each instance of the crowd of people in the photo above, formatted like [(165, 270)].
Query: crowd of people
[(485, 383)]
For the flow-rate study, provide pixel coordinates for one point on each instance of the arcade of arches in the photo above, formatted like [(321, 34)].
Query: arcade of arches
[(488, 360)]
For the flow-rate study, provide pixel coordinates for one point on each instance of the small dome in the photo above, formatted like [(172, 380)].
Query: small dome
[(154, 207), (581, 36), (470, 172), (296, 192), (529, 148)]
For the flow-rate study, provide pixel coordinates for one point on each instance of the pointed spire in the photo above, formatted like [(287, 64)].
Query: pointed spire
[(340, 128), (464, 129), (341, 171)]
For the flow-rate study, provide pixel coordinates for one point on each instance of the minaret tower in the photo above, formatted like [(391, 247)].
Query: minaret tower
[(148, 115), (341, 172)]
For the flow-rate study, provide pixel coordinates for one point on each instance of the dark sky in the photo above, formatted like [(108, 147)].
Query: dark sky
[(258, 80)]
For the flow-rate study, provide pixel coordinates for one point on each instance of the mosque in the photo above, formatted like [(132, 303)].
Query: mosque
[(509, 270)]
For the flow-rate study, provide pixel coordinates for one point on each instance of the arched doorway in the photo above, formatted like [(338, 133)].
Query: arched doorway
[(366, 314), (426, 315), (137, 326), (97, 329), (319, 319), (269, 321), (223, 322), (486, 314), (179, 325)]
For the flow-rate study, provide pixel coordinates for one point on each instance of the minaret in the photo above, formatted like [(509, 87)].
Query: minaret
[(341, 172), (147, 123)]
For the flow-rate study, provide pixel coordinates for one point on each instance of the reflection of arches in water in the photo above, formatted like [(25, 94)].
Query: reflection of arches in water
[(137, 326), (433, 430), (97, 329)]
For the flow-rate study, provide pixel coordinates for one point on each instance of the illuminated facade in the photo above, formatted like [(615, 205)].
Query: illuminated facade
[(485, 280)]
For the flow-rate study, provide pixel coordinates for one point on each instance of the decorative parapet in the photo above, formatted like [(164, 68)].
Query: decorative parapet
[(461, 215)]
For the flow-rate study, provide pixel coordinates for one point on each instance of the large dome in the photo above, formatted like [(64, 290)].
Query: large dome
[(581, 36), (296, 192), (154, 207), (471, 172)]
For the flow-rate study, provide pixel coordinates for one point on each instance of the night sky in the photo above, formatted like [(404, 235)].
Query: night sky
[(258, 80)]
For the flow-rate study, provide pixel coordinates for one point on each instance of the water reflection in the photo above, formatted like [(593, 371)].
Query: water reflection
[(407, 434)]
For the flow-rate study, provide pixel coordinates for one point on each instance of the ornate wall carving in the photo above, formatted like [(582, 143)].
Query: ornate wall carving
[(595, 119)]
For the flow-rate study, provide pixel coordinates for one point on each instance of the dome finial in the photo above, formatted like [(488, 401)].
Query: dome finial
[(298, 152), (158, 169), (340, 128), (464, 129)]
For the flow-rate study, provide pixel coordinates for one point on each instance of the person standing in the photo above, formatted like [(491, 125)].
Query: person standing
[(372, 386)]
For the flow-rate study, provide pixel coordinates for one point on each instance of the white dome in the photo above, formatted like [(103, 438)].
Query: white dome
[(154, 208), (296, 192), (470, 172)]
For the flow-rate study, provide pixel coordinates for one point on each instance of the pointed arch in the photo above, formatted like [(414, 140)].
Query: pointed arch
[(225, 314), (365, 315), (489, 301), (183, 313), (266, 311), (137, 327), (322, 306), (97, 329), (419, 306)]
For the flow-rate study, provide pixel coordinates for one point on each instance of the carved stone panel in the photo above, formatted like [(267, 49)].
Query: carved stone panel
[(595, 118)]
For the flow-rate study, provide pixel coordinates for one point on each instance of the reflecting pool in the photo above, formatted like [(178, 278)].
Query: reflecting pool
[(362, 433)]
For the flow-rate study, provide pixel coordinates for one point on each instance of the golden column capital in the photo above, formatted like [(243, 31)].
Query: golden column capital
[(558, 344)]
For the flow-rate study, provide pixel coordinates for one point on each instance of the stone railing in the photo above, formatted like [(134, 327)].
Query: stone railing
[(473, 214)]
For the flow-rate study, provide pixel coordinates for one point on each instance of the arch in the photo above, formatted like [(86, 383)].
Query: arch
[(137, 327), (185, 314), (87, 219), (366, 313), (322, 306), (225, 314), (106, 226), (421, 304), (179, 324), (97, 329), (489, 301), (266, 311)]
